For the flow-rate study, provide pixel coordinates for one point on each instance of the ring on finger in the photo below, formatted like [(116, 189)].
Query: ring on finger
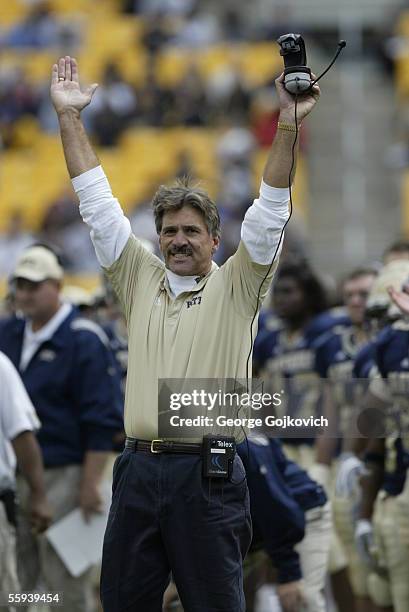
[(61, 78)]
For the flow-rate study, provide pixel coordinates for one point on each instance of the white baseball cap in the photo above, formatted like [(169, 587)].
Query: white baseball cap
[(37, 264)]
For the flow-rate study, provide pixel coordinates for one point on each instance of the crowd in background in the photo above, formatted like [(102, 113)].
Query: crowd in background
[(245, 114)]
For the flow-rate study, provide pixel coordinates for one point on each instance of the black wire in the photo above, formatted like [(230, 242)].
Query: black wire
[(340, 47), (270, 266)]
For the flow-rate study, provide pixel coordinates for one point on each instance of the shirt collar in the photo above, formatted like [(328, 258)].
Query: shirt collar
[(177, 284), (49, 329)]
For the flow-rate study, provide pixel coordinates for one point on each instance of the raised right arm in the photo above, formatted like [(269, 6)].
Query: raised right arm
[(110, 229)]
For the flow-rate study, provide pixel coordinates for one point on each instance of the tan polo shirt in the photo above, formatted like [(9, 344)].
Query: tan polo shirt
[(203, 333)]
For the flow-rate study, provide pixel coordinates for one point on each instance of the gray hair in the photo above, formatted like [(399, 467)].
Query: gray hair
[(184, 193)]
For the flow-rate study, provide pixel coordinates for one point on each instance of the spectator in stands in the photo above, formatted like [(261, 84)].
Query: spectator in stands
[(62, 228), (154, 102), (200, 29), (17, 96), (13, 242), (233, 26), (115, 105), (39, 29), (58, 215), (156, 33), (190, 99), (234, 152), (176, 8), (70, 375), (228, 95), (264, 116), (184, 165)]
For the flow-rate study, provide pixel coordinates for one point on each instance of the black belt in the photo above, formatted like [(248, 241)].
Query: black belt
[(163, 446)]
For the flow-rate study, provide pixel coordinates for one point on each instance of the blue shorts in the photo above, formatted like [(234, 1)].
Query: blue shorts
[(165, 517)]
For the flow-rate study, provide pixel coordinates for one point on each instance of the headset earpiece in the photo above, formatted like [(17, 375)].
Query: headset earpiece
[(297, 75)]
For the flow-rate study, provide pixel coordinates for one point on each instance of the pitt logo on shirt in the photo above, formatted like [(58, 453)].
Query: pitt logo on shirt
[(194, 301)]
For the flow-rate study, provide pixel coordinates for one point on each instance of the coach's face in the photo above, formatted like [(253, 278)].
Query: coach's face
[(186, 243)]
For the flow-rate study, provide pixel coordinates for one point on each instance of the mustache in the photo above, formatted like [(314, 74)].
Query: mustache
[(183, 250)]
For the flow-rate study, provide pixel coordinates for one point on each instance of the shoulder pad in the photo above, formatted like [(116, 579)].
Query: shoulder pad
[(87, 325)]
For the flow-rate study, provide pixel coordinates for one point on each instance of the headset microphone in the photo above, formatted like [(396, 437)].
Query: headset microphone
[(297, 75)]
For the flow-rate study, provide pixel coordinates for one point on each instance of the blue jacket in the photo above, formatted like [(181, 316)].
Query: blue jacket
[(74, 386), (280, 493)]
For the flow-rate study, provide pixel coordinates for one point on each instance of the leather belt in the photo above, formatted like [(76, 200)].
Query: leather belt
[(163, 446)]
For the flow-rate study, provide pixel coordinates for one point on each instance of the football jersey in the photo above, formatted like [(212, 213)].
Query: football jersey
[(392, 360), (287, 363), (335, 353)]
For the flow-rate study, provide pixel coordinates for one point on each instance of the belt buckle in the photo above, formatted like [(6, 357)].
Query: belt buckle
[(156, 452)]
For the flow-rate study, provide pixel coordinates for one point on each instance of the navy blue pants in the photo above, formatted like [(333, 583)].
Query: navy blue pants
[(164, 518)]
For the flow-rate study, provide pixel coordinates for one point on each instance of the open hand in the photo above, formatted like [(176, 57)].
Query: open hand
[(66, 93)]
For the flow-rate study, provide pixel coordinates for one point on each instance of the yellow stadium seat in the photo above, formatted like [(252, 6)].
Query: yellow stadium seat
[(260, 62), (402, 28), (11, 12), (213, 59), (402, 74), (172, 66), (107, 37)]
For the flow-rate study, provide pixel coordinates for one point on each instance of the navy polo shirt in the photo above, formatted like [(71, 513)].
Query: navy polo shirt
[(74, 386)]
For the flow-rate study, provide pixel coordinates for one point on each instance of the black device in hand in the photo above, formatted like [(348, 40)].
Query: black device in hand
[(297, 75)]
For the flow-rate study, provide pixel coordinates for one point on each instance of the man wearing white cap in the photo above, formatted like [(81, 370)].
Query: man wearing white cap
[(68, 370)]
